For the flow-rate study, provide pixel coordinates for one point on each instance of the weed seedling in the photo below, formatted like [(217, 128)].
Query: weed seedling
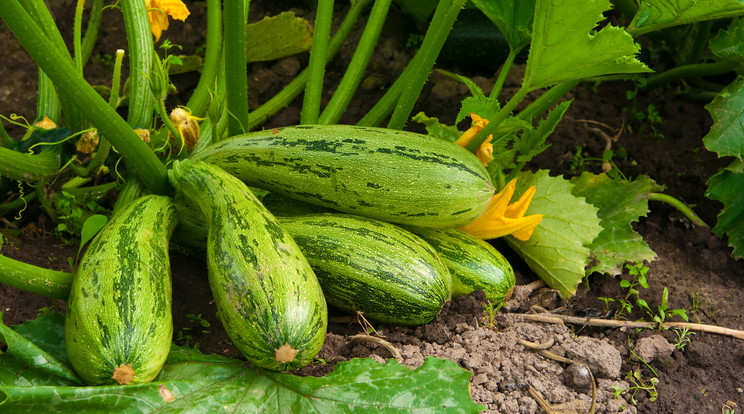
[(683, 338), (491, 308)]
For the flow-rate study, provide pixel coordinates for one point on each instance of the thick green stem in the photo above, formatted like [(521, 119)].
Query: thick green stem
[(546, 100), (199, 100), (503, 72), (34, 279), (297, 85), (141, 49), (695, 70), (28, 167), (77, 36), (503, 113), (74, 88), (354, 72), (91, 30), (236, 72), (441, 24), (680, 206), (316, 66)]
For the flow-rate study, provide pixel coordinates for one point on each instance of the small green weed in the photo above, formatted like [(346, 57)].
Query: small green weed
[(638, 383), (491, 309), (683, 338)]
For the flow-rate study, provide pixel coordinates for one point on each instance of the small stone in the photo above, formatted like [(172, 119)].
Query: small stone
[(577, 377), (653, 347), (480, 379)]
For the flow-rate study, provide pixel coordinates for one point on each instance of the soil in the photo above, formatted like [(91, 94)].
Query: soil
[(697, 267)]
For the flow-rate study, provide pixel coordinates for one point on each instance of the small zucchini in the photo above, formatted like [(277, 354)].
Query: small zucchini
[(118, 324), (473, 263), (379, 269), (394, 176), (267, 295)]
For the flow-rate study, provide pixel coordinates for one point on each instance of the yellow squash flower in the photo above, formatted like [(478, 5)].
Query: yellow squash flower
[(485, 151), (158, 12), (502, 218)]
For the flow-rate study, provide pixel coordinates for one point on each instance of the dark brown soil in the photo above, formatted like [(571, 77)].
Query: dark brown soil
[(696, 266)]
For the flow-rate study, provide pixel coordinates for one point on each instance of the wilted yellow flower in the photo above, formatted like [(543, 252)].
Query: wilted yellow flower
[(46, 123), (158, 12), (88, 142), (502, 218), (187, 126), (485, 151), (144, 134)]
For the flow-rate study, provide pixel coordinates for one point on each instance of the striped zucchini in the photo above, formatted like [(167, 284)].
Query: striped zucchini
[(381, 270), (118, 325), (473, 263), (395, 176), (268, 297)]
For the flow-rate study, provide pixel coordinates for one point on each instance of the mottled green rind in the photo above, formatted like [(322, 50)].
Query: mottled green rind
[(265, 290), (387, 273), (119, 309), (473, 263), (394, 176)]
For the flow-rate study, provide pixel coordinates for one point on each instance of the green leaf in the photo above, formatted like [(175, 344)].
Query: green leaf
[(620, 203), (436, 128), (277, 37), (659, 14), (728, 187), (558, 249), (512, 17), (727, 111), (566, 46), (27, 363), (532, 142), (729, 42), (91, 226), (34, 381)]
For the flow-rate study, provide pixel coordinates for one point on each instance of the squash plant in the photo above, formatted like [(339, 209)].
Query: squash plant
[(580, 220)]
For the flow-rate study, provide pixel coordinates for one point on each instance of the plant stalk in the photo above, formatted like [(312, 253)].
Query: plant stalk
[(694, 70), (75, 89), (441, 24), (141, 48), (680, 206), (316, 66), (34, 279), (354, 72), (236, 72), (199, 100), (297, 85)]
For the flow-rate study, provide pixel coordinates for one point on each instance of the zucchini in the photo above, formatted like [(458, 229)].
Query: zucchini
[(267, 295), (379, 269), (118, 323), (473, 263), (394, 176)]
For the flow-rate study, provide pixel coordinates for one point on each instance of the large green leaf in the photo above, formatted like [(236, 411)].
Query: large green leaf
[(558, 249), (512, 17), (728, 187), (36, 378), (620, 203), (566, 46), (727, 110), (729, 43), (659, 14), (278, 36)]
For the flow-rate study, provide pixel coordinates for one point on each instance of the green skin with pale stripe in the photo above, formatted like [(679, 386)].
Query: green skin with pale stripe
[(387, 273), (473, 263), (394, 176), (119, 309), (266, 292)]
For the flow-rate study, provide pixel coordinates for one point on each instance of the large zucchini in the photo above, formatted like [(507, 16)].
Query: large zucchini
[(379, 269), (395, 176), (118, 325), (473, 263), (268, 297)]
